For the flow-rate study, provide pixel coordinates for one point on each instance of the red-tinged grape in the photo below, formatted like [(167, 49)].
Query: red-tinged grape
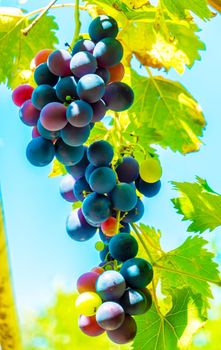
[(123, 246), (116, 72), (110, 315), (102, 27), (125, 333), (47, 134), (21, 94), (90, 88), (105, 239), (35, 132), (103, 180), (137, 272), (123, 197), (99, 110), (98, 270), (108, 52), (109, 227), (68, 155), (118, 96), (88, 325), (73, 136), (66, 188), (87, 303), (110, 285), (79, 113), (103, 73), (136, 213), (79, 169), (148, 189), (28, 114), (100, 153), (78, 228), (127, 170), (42, 75), (40, 152), (41, 57), (81, 188), (53, 116), (83, 45), (42, 95), (87, 282), (83, 63), (59, 63), (66, 88), (96, 208)]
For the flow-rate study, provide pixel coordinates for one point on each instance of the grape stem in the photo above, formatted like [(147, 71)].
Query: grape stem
[(118, 221), (58, 6), (37, 19), (77, 23)]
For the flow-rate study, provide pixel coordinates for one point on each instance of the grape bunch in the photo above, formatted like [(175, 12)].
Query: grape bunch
[(74, 91)]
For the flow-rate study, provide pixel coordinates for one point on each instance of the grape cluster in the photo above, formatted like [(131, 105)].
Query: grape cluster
[(74, 91)]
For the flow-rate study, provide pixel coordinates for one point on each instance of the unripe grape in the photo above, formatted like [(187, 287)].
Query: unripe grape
[(150, 170), (87, 303)]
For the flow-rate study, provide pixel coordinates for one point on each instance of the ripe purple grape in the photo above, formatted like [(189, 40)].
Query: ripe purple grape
[(96, 208), (102, 27), (87, 282), (42, 75), (128, 170), (83, 45), (66, 188), (100, 153), (53, 116), (78, 228), (103, 180), (136, 302), (47, 134), (123, 197), (90, 88), (28, 114), (83, 63), (59, 63), (136, 213), (148, 189), (103, 73), (79, 169), (81, 188), (125, 333), (88, 325), (137, 272), (79, 113), (118, 96), (42, 95), (123, 246), (110, 315), (68, 155), (99, 110), (40, 152), (66, 88), (73, 136), (110, 285), (108, 52)]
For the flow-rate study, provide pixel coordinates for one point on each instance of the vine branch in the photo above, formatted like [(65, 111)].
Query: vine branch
[(77, 23)]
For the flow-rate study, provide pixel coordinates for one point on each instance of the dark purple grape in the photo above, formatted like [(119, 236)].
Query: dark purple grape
[(102, 27), (90, 168), (66, 188), (68, 155), (83, 45), (103, 73), (59, 63), (79, 113), (110, 285), (128, 170), (79, 169), (100, 153), (123, 197), (96, 208), (83, 63), (40, 152), (88, 325), (125, 333), (118, 96), (73, 136), (110, 315), (53, 116), (42, 95), (81, 188), (47, 134), (29, 114), (42, 75), (108, 52), (99, 110), (137, 272), (78, 228), (148, 189), (103, 180), (123, 246), (90, 88), (35, 133), (135, 302), (66, 89), (136, 213)]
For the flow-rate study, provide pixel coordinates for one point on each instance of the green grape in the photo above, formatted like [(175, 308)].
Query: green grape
[(99, 246), (150, 170), (87, 303)]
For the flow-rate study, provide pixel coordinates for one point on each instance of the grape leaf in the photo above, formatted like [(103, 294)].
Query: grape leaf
[(15, 60), (57, 169), (199, 204), (170, 109), (179, 7)]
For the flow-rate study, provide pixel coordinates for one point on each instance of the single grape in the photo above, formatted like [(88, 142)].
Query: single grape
[(87, 282), (123, 197), (108, 52), (135, 302), (28, 114), (66, 188), (90, 88), (148, 297), (118, 96), (66, 88), (99, 110), (40, 58), (136, 213), (150, 170), (109, 227), (79, 169), (100, 153), (40, 152), (103, 180), (110, 285), (53, 116), (87, 303), (103, 73), (81, 188), (35, 132), (116, 72), (42, 75), (79, 113), (83, 45), (103, 26), (47, 134), (59, 63), (90, 168), (21, 94), (78, 228), (68, 155), (88, 325), (137, 272), (73, 136), (110, 315), (42, 95), (127, 170), (96, 208), (83, 63), (123, 246), (148, 189), (125, 333)]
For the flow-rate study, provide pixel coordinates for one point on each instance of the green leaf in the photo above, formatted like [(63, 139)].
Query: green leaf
[(199, 204), (18, 50), (169, 108), (57, 169), (76, 205), (179, 8)]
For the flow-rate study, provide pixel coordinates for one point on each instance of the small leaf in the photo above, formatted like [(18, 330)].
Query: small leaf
[(57, 169), (76, 205)]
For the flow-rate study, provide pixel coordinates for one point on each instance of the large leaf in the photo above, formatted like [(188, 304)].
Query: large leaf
[(179, 7), (199, 204), (18, 50)]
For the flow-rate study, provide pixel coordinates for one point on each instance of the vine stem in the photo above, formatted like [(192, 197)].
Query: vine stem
[(54, 7), (37, 19), (77, 23)]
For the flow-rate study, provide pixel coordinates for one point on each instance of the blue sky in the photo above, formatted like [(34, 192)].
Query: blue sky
[(42, 255)]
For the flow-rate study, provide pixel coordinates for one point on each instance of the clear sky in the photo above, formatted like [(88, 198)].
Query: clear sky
[(42, 255)]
